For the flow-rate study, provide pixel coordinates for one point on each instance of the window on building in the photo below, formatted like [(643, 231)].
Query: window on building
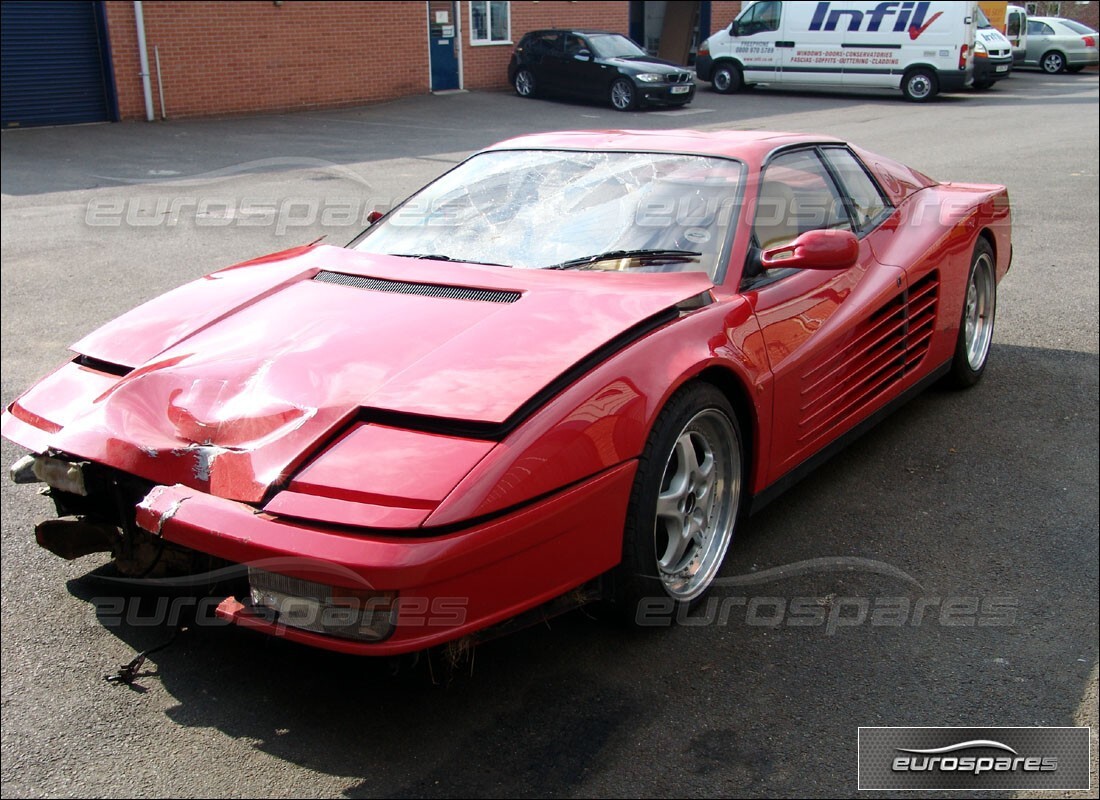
[(490, 22)]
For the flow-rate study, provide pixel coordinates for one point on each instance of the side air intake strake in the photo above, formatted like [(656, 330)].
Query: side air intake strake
[(886, 347), (426, 289)]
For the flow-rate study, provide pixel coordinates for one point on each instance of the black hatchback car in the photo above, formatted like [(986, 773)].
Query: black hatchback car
[(597, 65)]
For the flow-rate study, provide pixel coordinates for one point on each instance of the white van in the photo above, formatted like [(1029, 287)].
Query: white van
[(921, 48)]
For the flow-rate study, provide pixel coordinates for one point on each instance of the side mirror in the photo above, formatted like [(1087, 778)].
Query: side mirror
[(374, 216), (583, 55), (735, 29), (821, 249)]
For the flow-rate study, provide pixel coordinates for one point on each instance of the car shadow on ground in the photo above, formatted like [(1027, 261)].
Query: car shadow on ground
[(731, 703)]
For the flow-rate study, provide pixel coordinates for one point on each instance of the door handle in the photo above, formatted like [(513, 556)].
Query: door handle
[(784, 44)]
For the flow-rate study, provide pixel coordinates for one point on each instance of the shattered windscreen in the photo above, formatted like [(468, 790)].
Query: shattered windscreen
[(557, 209)]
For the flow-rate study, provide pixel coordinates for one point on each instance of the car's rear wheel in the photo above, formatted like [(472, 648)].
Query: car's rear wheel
[(684, 506), (623, 95), (1053, 62), (978, 317), (524, 83), (920, 85), (727, 79)]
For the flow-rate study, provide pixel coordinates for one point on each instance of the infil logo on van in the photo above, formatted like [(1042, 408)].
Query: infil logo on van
[(908, 14)]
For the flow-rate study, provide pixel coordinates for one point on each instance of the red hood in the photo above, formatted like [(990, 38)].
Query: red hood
[(239, 377)]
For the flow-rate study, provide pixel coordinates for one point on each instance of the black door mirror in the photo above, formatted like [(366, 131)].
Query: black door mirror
[(735, 29), (583, 55)]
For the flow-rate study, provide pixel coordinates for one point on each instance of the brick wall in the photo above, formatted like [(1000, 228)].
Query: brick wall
[(486, 66), (253, 55), (722, 13)]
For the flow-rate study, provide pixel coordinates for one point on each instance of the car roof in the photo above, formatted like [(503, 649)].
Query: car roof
[(748, 146), (1054, 19), (581, 31)]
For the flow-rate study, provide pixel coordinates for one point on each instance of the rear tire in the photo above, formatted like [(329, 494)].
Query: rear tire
[(920, 85), (727, 79), (683, 509), (524, 83), (978, 316), (1052, 62)]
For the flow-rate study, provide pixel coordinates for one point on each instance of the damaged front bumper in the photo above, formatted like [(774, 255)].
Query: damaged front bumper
[(373, 592)]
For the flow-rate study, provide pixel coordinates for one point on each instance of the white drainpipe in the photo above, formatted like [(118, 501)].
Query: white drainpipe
[(143, 53)]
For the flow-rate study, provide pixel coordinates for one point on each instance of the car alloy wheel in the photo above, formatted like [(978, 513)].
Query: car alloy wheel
[(622, 94), (978, 317), (525, 83), (1053, 63), (684, 505)]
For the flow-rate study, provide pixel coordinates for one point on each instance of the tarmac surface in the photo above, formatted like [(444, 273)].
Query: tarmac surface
[(983, 497)]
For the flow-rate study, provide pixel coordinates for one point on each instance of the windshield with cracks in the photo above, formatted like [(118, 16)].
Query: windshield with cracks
[(541, 209)]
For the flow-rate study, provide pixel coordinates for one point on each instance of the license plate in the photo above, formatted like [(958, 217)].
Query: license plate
[(681, 89), (1002, 68)]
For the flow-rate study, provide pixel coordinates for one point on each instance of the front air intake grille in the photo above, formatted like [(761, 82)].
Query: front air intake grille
[(426, 289)]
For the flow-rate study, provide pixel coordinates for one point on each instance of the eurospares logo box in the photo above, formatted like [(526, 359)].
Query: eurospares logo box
[(974, 758)]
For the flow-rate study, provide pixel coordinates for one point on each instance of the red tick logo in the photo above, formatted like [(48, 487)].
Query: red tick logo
[(915, 32)]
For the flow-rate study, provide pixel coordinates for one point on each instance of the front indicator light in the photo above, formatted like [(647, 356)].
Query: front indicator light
[(363, 615)]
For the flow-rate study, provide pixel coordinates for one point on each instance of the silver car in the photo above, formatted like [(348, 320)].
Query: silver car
[(1055, 45)]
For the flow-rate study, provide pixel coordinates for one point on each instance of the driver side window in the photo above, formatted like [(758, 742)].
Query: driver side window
[(760, 18), (796, 195)]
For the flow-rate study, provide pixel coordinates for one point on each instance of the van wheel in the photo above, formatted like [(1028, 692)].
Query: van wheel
[(919, 85), (727, 79), (1053, 62)]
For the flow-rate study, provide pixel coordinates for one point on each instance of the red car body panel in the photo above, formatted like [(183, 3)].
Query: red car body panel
[(443, 448)]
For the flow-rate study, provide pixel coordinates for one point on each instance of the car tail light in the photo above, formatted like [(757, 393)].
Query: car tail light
[(1090, 41), (962, 55), (366, 615), (704, 49)]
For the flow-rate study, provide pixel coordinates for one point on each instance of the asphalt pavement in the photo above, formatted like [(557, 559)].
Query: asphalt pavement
[(986, 499)]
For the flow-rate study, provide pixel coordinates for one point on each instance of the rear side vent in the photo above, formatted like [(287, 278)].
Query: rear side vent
[(885, 348), (426, 289)]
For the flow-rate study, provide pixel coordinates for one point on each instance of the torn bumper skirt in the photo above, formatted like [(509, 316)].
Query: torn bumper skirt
[(444, 586)]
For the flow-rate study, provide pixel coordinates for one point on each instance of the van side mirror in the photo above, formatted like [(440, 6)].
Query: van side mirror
[(735, 29)]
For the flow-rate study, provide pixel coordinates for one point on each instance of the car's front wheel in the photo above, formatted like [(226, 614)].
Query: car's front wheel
[(919, 85), (623, 94), (1053, 62), (978, 316), (684, 506), (524, 83), (727, 79)]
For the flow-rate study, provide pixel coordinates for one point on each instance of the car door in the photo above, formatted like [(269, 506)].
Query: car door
[(835, 339), (1039, 36), (582, 73), (545, 60)]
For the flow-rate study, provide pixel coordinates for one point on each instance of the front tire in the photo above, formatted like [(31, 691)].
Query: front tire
[(684, 506), (1053, 62), (982, 86), (727, 79), (623, 95), (524, 83), (978, 317), (920, 85)]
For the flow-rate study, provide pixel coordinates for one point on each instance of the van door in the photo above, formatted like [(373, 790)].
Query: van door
[(757, 42), (1016, 31)]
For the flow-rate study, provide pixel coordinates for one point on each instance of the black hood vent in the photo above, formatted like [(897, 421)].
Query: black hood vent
[(426, 289)]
